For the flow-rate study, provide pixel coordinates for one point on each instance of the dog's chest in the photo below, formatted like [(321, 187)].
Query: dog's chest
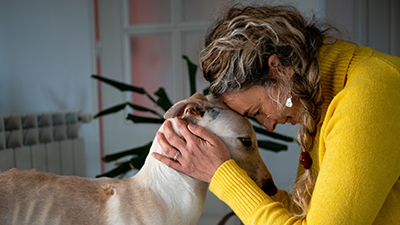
[(146, 205)]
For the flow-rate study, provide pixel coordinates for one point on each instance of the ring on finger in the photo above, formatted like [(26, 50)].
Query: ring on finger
[(176, 155)]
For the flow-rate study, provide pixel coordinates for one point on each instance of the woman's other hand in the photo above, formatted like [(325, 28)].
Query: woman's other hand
[(201, 152)]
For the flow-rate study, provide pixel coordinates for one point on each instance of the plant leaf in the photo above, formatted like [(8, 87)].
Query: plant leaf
[(111, 110), (273, 134), (141, 119), (119, 85), (123, 168), (124, 87), (144, 109), (144, 149), (206, 91), (273, 146), (192, 69), (137, 162), (117, 108), (163, 100)]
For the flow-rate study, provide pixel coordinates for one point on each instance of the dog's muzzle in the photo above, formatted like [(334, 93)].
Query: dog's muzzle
[(268, 186)]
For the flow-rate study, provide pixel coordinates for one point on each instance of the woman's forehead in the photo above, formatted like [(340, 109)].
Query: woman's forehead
[(244, 101)]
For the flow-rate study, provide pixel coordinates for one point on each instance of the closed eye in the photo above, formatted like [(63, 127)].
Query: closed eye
[(245, 141), (256, 114)]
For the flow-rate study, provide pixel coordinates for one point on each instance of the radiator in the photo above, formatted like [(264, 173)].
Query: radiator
[(48, 142)]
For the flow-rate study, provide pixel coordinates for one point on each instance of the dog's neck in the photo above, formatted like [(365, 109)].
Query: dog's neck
[(179, 191)]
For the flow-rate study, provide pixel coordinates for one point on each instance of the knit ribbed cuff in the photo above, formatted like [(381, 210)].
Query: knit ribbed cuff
[(233, 186)]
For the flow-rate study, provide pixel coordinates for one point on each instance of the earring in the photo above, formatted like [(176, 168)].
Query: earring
[(306, 160), (289, 102)]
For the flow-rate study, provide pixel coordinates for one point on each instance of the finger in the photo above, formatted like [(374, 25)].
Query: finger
[(203, 133), (171, 137), (167, 161), (165, 146), (182, 127), (188, 136)]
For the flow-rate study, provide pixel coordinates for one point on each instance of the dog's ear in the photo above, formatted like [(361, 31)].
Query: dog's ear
[(190, 105)]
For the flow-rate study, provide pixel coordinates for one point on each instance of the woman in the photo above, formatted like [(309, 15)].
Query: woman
[(271, 64)]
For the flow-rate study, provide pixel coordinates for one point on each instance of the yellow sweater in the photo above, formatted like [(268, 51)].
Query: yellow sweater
[(357, 152)]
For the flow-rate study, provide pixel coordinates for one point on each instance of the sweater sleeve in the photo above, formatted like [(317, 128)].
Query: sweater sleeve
[(233, 186)]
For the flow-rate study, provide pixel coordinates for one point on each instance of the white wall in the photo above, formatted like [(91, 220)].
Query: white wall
[(46, 61), (340, 14)]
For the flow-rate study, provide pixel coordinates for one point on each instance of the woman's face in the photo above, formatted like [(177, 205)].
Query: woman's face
[(256, 102)]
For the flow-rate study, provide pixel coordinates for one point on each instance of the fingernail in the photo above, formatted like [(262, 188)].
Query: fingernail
[(191, 127)]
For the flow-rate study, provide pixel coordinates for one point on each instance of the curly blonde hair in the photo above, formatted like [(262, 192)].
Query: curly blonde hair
[(236, 56)]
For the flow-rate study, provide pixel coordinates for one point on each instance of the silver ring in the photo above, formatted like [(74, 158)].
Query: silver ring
[(176, 155)]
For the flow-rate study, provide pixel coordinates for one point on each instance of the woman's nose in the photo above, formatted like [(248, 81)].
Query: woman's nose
[(268, 123)]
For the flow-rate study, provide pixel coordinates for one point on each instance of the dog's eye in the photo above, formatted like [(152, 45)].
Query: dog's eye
[(246, 141)]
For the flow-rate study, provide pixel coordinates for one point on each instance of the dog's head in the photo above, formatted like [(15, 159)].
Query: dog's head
[(232, 128)]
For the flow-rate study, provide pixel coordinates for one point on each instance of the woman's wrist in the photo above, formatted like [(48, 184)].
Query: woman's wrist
[(222, 170)]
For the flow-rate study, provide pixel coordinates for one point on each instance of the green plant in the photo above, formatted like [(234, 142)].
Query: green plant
[(139, 154)]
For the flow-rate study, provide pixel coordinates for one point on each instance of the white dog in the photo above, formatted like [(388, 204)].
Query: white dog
[(157, 194)]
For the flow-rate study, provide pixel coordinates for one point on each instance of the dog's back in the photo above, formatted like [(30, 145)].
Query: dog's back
[(25, 194)]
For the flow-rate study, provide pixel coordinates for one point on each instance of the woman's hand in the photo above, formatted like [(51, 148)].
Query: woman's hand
[(201, 153)]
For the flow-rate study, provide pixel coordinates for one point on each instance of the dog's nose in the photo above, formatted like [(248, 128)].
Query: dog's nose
[(268, 186)]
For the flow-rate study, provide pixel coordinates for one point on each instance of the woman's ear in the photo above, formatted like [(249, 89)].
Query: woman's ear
[(277, 69), (273, 61)]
